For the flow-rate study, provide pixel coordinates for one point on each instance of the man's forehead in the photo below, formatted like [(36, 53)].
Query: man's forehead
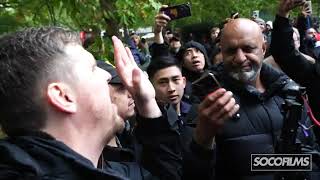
[(168, 73), (191, 49), (77, 51), (245, 30), (241, 24), (168, 77), (311, 30)]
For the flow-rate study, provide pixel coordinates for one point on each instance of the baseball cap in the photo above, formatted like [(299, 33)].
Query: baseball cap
[(115, 79)]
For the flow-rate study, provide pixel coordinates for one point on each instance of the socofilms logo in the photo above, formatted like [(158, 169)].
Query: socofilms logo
[(281, 162)]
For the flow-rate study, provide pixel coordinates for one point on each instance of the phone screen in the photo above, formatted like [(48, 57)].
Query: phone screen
[(178, 11)]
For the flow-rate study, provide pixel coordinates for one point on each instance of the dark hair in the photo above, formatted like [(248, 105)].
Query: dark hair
[(161, 62), (29, 59)]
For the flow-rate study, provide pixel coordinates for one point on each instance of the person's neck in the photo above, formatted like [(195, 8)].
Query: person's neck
[(258, 84), (177, 108), (113, 142), (81, 140)]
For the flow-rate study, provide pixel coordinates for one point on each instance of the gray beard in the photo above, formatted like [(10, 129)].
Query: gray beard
[(246, 77)]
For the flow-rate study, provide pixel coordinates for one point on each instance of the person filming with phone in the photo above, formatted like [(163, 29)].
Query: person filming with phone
[(293, 62), (259, 92)]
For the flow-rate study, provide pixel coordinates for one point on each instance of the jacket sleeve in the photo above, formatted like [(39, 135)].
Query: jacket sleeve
[(291, 61), (163, 153)]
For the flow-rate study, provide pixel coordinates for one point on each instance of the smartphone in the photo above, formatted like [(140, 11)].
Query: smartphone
[(177, 11), (206, 84)]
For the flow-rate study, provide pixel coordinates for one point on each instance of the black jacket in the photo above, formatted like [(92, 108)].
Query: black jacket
[(170, 153), (257, 128), (296, 65), (37, 155), (40, 156)]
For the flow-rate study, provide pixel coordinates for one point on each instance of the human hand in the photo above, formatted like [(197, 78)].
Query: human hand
[(306, 9), (285, 6), (135, 81), (214, 110), (161, 20)]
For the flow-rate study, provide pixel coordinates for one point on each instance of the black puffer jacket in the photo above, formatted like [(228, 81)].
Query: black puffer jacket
[(256, 131)]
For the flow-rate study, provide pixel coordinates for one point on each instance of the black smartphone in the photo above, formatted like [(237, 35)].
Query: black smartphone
[(206, 84), (177, 11)]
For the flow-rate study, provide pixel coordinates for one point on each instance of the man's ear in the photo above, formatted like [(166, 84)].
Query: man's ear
[(184, 80), (264, 48), (62, 97)]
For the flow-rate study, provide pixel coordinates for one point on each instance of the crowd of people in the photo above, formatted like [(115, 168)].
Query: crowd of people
[(69, 116)]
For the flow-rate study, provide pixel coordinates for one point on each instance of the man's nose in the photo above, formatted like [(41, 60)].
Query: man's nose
[(195, 53), (171, 87), (240, 56)]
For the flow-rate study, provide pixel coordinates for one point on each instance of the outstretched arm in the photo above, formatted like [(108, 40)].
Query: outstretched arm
[(291, 61)]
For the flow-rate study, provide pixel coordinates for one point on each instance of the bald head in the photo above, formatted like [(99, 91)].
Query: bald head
[(243, 48), (241, 26)]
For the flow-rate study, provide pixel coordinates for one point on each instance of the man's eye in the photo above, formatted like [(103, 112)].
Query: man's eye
[(249, 49)]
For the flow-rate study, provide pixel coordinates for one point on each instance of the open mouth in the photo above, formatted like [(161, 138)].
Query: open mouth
[(196, 62)]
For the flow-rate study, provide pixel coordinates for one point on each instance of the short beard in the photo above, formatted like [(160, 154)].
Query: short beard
[(246, 77)]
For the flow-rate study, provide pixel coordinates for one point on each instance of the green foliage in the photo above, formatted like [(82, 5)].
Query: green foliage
[(111, 15)]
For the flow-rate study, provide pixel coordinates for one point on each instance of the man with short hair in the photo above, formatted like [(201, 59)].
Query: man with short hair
[(165, 74), (55, 107)]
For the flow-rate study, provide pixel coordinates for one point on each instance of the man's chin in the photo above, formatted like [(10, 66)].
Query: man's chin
[(244, 76)]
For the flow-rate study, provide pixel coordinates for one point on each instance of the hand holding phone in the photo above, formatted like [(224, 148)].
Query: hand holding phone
[(206, 84), (178, 11)]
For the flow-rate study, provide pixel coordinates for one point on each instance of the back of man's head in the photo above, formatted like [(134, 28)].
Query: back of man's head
[(29, 59), (161, 62)]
